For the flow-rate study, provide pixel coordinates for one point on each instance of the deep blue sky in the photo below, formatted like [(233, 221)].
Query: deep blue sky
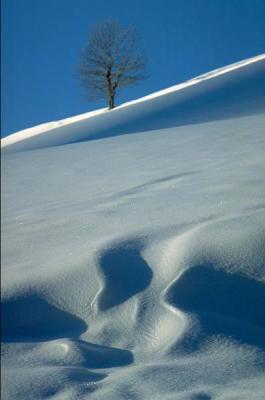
[(41, 42)]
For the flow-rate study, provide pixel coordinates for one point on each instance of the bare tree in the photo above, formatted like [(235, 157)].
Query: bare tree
[(111, 60)]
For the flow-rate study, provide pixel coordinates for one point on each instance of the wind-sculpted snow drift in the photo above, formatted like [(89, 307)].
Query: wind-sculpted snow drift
[(133, 267)]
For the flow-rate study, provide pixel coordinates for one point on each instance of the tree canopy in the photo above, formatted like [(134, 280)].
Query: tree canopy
[(111, 60)]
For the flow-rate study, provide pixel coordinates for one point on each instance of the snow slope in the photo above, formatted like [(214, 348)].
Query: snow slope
[(133, 266), (228, 92)]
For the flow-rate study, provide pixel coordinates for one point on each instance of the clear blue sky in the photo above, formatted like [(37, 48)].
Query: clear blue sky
[(41, 42)]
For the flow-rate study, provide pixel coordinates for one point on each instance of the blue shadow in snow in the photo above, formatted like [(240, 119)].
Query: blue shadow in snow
[(228, 304), (97, 356), (125, 274), (31, 318), (201, 396)]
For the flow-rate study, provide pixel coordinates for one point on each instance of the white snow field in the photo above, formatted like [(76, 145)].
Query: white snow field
[(133, 248)]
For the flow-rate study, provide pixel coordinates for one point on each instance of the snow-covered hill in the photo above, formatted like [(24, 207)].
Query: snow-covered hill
[(228, 92), (133, 266)]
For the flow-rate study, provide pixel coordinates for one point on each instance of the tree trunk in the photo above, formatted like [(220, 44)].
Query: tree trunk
[(111, 102), (111, 92)]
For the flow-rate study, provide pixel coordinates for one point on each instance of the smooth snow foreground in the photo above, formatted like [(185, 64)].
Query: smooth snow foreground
[(133, 267)]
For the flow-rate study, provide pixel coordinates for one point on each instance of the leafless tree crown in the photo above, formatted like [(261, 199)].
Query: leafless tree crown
[(111, 60)]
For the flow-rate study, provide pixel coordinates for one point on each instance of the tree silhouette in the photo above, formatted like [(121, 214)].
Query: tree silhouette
[(111, 60)]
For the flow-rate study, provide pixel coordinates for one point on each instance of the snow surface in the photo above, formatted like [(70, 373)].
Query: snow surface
[(133, 266)]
